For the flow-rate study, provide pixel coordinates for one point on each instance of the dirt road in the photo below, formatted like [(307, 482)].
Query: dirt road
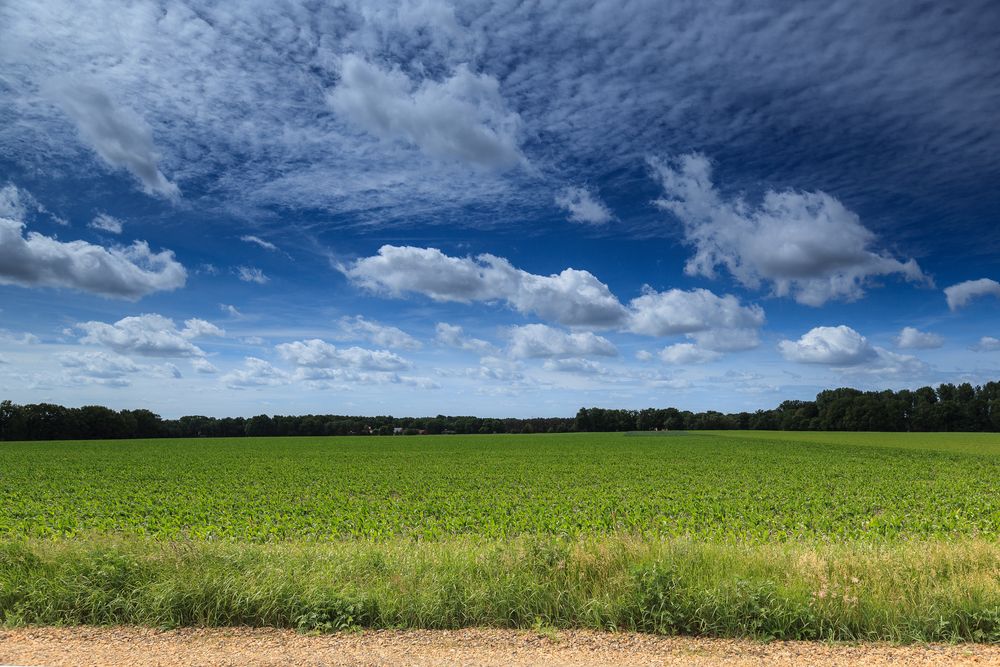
[(125, 647)]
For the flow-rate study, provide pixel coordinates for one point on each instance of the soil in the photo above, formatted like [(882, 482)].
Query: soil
[(128, 646)]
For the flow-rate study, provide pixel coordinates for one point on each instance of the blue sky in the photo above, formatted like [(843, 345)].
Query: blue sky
[(494, 208)]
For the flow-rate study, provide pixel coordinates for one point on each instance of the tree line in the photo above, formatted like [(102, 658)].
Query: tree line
[(949, 407)]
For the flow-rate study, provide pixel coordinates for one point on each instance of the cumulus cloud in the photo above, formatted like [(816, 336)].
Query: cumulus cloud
[(833, 346), (453, 335), (961, 294), (806, 245), (203, 366), (250, 274), (575, 366), (24, 338), (987, 344), (99, 367), (541, 341), (584, 206), (255, 372), (358, 328), (844, 348), (117, 134), (316, 353), (345, 378), (718, 323), (128, 272), (106, 223), (687, 353), (572, 297), (461, 117), (256, 240), (910, 338), (149, 335)]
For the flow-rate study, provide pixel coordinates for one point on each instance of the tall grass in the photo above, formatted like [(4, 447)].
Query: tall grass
[(906, 591)]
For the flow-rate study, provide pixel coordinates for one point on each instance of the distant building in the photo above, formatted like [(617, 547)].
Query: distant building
[(398, 430)]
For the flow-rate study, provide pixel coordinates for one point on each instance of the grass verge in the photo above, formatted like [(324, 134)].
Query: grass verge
[(902, 592)]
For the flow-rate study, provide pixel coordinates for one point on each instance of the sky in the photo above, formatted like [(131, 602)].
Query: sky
[(495, 208)]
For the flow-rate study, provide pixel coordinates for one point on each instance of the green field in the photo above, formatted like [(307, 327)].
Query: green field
[(743, 486), (793, 535)]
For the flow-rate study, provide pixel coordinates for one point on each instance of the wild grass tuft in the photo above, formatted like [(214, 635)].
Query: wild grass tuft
[(906, 591)]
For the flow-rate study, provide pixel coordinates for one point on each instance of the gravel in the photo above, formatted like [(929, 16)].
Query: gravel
[(126, 646)]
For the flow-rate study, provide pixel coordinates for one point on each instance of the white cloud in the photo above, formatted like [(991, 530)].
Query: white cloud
[(198, 328), (110, 370), (255, 373), (572, 297), (250, 274), (576, 366), (15, 202), (833, 346), (256, 240), (344, 378), (806, 245), (149, 335), (718, 323), (128, 272), (584, 206), (987, 344), (18, 339), (99, 366), (231, 311), (644, 355), (539, 340), (106, 223), (462, 117), (203, 366), (316, 353), (889, 363), (961, 294), (117, 134), (687, 353), (911, 338), (358, 328), (848, 351), (453, 335)]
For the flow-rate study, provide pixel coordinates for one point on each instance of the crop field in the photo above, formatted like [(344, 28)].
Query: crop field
[(813, 535), (758, 487)]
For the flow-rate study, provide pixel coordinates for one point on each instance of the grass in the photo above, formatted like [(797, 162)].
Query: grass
[(914, 591), (766, 535)]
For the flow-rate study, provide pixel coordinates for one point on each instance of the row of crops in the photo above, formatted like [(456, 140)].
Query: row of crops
[(716, 486)]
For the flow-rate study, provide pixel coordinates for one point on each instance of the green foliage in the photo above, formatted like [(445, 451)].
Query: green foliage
[(907, 591), (754, 486)]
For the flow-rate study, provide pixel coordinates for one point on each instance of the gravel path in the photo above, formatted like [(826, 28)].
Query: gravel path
[(246, 646)]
